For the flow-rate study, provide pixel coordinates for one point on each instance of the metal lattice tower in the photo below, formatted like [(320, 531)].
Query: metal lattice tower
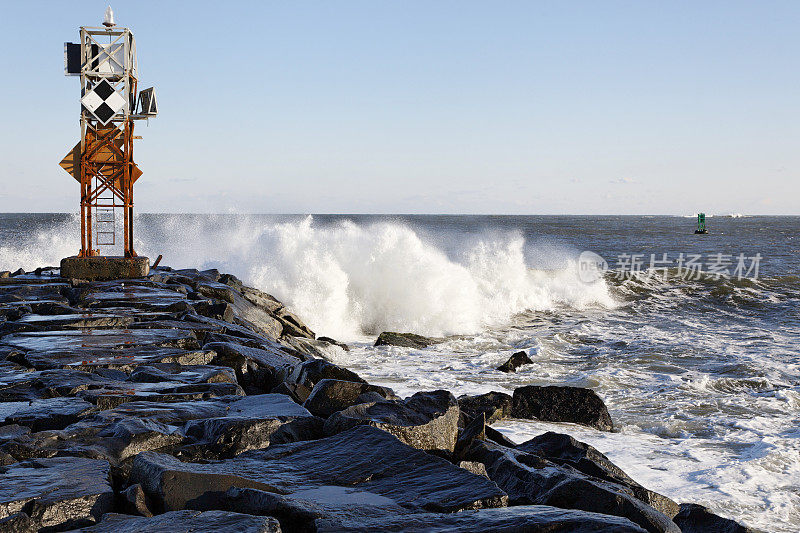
[(102, 162)]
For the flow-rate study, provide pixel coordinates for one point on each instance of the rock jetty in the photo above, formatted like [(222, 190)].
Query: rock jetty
[(187, 401)]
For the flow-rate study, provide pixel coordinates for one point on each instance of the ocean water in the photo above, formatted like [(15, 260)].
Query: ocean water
[(701, 372)]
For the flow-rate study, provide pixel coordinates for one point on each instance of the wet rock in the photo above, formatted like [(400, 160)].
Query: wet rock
[(125, 359), (475, 430), (117, 434), (107, 388), (694, 518), (258, 316), (495, 406), (498, 438), (60, 492), (135, 501), (528, 519), (332, 395), (257, 369), (307, 349), (37, 322), (5, 274), (160, 392), (178, 521), (159, 372), (294, 514), (17, 523), (218, 310), (217, 291), (107, 339), (19, 272), (426, 420), (565, 450), (562, 404), (530, 479), (112, 440), (406, 340), (363, 460), (309, 373), (474, 467), (138, 295), (514, 362), (298, 393), (292, 325), (252, 422), (242, 334), (39, 415), (329, 340)]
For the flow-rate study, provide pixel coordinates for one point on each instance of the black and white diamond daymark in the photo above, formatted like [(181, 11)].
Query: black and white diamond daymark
[(103, 102)]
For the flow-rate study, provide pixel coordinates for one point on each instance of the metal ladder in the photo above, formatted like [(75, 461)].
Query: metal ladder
[(105, 233)]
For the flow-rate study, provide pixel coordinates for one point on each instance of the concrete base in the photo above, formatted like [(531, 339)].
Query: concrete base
[(104, 268)]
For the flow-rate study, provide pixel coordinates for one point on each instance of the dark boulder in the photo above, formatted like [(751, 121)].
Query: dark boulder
[(426, 420), (253, 422), (332, 395), (135, 501), (406, 340), (514, 362), (530, 479), (329, 340), (527, 519), (694, 518), (562, 404), (311, 372), (18, 523), (216, 309), (365, 463), (297, 392), (180, 521), (216, 291), (257, 370), (60, 492), (475, 430), (495, 406), (565, 450)]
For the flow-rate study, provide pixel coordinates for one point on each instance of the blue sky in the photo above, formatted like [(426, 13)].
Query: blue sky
[(426, 107)]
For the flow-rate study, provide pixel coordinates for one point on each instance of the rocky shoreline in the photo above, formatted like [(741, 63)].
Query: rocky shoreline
[(187, 401)]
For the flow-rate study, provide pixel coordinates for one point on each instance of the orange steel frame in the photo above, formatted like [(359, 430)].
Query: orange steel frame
[(101, 173)]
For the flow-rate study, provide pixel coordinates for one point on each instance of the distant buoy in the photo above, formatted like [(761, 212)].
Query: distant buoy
[(701, 224)]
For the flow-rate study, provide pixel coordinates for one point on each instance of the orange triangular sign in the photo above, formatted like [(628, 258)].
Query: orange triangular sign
[(72, 162)]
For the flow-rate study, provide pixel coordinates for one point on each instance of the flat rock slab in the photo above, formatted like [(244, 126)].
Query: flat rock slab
[(177, 414), (526, 518), (229, 424), (125, 359), (134, 296), (35, 322), (426, 420), (59, 492), (364, 459), (33, 293), (40, 415), (185, 521), (63, 340)]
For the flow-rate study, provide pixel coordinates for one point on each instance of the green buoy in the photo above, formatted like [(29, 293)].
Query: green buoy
[(701, 224)]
